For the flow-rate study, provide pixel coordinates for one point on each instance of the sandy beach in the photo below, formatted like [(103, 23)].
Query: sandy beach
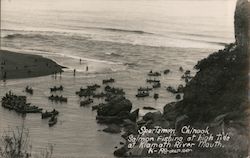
[(17, 65)]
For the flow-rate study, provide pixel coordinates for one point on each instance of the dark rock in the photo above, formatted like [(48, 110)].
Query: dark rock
[(95, 107), (114, 107), (134, 115), (113, 128), (130, 127), (121, 152), (154, 116), (181, 121)]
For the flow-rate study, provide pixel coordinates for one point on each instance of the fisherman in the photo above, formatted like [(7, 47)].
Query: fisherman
[(5, 75), (181, 69)]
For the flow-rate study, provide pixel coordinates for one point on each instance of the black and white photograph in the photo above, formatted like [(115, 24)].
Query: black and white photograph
[(124, 78)]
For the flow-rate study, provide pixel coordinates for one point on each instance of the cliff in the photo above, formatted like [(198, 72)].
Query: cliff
[(221, 83), (241, 22)]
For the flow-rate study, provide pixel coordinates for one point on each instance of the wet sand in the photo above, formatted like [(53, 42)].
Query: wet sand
[(16, 65)]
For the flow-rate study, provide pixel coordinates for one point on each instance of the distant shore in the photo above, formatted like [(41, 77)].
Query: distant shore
[(16, 65)]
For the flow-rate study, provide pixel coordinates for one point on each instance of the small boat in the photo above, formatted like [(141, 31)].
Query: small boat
[(148, 108), (154, 74), (144, 89), (111, 80), (178, 96), (85, 92), (32, 110), (52, 121), (152, 81), (181, 69), (113, 90), (58, 98), (86, 102), (96, 107), (29, 90), (171, 89), (180, 88), (99, 95), (142, 94), (157, 85), (156, 96), (93, 87), (24, 109), (166, 71), (47, 114), (54, 89)]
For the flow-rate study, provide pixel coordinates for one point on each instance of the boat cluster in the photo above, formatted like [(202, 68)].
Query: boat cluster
[(90, 92), (110, 94), (57, 98), (155, 83), (19, 104), (52, 115)]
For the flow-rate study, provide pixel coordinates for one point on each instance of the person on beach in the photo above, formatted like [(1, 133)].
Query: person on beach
[(4, 76)]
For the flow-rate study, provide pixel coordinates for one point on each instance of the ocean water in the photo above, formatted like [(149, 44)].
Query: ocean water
[(123, 39)]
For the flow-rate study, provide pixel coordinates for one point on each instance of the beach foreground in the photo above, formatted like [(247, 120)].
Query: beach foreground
[(17, 65)]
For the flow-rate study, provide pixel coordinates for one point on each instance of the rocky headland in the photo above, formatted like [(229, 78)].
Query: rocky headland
[(216, 97)]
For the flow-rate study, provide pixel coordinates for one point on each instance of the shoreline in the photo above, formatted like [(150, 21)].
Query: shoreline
[(15, 65)]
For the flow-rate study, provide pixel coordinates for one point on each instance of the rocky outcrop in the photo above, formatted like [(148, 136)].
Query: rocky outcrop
[(115, 110), (113, 128)]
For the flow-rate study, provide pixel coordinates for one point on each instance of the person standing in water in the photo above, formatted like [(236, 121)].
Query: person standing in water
[(87, 68), (74, 72), (80, 61)]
